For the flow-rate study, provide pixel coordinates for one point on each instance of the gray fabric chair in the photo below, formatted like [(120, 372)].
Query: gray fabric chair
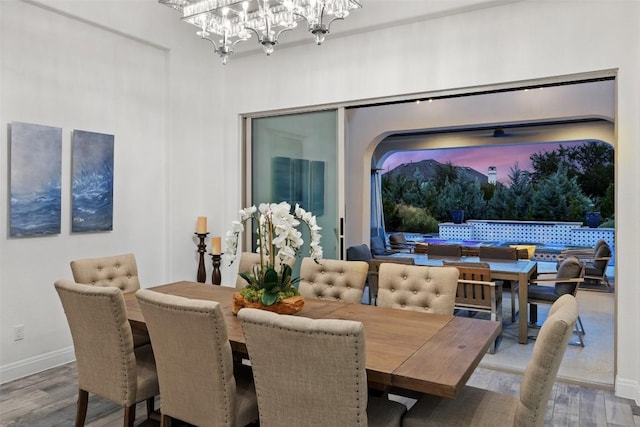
[(248, 260), (195, 364), (379, 246), (501, 253), (596, 267), (107, 363), (485, 408), (332, 279), (362, 253), (567, 280), (118, 271), (312, 372), (417, 287)]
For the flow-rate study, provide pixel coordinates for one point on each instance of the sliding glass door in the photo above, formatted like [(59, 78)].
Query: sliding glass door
[(294, 158)]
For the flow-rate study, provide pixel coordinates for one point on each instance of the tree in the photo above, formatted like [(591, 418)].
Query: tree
[(559, 198), (591, 164)]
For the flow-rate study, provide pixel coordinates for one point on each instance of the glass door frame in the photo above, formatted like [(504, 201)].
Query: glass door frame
[(246, 184)]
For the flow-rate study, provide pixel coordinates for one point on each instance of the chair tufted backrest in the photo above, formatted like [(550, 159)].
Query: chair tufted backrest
[(119, 271), (417, 287), (193, 355), (541, 371), (307, 372), (103, 344), (248, 260), (332, 279)]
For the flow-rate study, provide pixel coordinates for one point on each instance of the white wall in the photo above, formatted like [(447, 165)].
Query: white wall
[(518, 42), (91, 66), (195, 166)]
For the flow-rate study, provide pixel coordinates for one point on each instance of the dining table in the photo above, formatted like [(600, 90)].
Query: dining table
[(521, 270), (415, 351)]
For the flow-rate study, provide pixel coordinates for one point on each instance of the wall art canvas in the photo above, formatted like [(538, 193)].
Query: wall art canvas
[(92, 181), (36, 171)]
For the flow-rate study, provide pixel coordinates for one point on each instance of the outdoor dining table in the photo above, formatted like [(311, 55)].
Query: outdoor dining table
[(520, 270), (423, 352)]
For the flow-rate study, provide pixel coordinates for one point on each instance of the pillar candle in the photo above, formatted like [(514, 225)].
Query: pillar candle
[(216, 246), (202, 225)]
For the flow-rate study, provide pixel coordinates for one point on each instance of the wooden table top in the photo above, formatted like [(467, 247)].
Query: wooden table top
[(423, 352)]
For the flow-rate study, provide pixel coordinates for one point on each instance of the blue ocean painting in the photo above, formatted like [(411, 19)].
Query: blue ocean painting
[(36, 170), (92, 182)]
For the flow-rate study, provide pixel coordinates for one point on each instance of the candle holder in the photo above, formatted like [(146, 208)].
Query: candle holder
[(202, 248), (216, 277)]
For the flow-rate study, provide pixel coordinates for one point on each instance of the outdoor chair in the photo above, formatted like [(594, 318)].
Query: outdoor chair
[(477, 293), (118, 271), (198, 384), (596, 267), (374, 269), (361, 253), (567, 280), (399, 243), (501, 253), (108, 365), (444, 251), (480, 407), (417, 287), (379, 246), (312, 372), (331, 279)]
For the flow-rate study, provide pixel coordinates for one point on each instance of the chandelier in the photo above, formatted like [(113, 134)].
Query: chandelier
[(234, 21)]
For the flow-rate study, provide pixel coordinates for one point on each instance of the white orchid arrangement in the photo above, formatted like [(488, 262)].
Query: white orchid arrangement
[(279, 240)]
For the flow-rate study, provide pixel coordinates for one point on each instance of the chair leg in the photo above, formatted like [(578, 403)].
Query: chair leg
[(129, 415), (165, 421), (533, 313), (151, 406), (81, 411), (579, 330)]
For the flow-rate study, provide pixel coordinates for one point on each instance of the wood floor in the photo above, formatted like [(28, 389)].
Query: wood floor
[(48, 399)]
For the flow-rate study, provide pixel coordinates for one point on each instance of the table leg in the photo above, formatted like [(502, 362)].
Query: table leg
[(523, 296)]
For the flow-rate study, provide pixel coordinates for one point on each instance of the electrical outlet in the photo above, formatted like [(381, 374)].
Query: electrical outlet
[(18, 332)]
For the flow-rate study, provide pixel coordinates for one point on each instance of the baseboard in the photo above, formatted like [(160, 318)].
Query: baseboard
[(628, 389), (33, 365)]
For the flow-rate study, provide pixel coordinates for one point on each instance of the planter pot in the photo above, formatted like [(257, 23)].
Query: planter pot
[(457, 216), (593, 219), (289, 305)]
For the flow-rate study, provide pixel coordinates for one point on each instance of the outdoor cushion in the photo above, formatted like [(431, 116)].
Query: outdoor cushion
[(359, 253)]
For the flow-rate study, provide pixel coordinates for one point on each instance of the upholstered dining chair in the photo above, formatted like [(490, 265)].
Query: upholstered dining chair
[(502, 253), (108, 364), (248, 260), (312, 372), (479, 407), (119, 271), (417, 287), (374, 272), (195, 363), (567, 280), (332, 279)]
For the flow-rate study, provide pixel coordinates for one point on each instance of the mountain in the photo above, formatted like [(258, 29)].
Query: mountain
[(426, 169)]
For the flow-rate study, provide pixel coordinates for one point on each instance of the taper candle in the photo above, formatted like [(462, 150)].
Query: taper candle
[(202, 225), (216, 246)]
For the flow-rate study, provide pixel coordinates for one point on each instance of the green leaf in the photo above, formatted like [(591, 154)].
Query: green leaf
[(269, 298), (270, 279), (248, 277)]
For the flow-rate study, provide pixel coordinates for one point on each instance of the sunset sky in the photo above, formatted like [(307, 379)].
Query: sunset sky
[(503, 157)]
